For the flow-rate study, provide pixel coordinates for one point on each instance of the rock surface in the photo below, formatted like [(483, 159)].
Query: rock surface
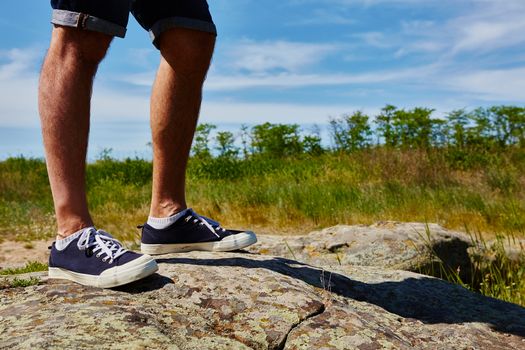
[(404, 246), (246, 301)]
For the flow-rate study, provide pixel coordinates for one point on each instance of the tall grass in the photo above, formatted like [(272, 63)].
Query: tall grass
[(287, 195), (493, 271)]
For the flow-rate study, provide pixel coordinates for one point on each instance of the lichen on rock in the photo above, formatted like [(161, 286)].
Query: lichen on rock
[(245, 301)]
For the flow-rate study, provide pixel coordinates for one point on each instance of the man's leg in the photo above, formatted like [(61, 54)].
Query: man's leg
[(64, 102), (89, 256), (175, 104)]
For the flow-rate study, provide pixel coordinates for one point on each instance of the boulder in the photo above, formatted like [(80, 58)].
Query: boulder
[(206, 300), (510, 249), (408, 246)]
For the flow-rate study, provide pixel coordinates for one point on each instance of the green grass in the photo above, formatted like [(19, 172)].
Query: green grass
[(19, 282), (286, 195), (32, 266), (492, 271)]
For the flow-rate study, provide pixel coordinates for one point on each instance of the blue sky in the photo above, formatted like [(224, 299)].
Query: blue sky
[(298, 61)]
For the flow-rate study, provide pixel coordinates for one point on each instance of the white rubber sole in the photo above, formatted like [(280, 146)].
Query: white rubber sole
[(112, 277), (229, 243)]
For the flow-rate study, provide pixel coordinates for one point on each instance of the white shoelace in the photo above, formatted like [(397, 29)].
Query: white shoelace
[(102, 242), (202, 221)]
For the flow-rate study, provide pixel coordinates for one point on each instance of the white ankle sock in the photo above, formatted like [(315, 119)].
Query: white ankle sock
[(61, 244), (162, 223)]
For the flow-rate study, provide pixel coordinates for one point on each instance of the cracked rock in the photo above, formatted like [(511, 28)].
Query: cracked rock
[(243, 301)]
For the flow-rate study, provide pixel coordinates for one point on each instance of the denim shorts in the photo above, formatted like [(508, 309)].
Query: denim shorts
[(111, 16)]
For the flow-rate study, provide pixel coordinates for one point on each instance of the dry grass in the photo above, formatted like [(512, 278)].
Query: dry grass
[(291, 196)]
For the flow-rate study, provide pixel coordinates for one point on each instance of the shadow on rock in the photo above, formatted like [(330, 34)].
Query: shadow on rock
[(148, 284), (429, 300), (452, 255)]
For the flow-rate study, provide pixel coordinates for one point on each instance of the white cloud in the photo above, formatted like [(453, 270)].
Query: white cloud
[(370, 2), (490, 32), (491, 85), (500, 85), (18, 101), (19, 78), (473, 27), (18, 62), (18, 86), (19, 93), (374, 39), (420, 46), (114, 104), (142, 57), (291, 80), (415, 26), (325, 16), (138, 79), (486, 27), (262, 56), (239, 81)]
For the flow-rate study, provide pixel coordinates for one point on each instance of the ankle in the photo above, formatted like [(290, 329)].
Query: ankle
[(62, 242), (166, 209), (66, 230)]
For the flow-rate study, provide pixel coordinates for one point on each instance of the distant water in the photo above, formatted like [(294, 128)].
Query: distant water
[(125, 139)]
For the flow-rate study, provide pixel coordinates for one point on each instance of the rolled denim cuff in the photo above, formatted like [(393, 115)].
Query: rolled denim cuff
[(87, 22), (190, 23)]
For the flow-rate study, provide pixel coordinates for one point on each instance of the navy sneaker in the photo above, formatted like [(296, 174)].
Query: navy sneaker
[(193, 232), (97, 259)]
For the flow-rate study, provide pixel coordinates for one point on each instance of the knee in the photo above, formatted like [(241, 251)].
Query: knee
[(83, 46), (187, 51)]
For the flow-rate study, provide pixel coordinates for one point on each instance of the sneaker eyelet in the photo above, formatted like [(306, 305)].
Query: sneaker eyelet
[(99, 255), (104, 259)]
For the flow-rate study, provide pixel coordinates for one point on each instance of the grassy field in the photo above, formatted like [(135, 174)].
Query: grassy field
[(299, 194), (294, 195)]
